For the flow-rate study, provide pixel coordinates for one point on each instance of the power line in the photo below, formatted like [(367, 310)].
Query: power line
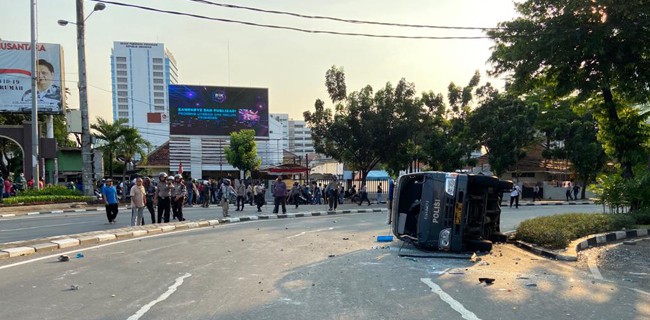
[(354, 21), (386, 36)]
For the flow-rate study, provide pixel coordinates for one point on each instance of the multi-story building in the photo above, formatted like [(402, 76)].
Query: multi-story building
[(296, 135), (140, 74)]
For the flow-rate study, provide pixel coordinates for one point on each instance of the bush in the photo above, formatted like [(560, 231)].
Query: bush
[(642, 216), (52, 191), (556, 232), (44, 199)]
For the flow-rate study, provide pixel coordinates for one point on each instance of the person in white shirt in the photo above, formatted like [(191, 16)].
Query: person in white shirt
[(514, 196)]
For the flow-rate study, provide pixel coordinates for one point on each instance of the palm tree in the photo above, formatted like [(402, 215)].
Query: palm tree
[(111, 133), (131, 144)]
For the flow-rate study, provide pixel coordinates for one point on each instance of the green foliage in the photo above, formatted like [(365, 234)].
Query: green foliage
[(642, 216), (111, 134), (130, 144), (595, 52), (366, 128), (504, 125), (52, 191), (242, 152), (45, 199), (557, 231), (616, 192)]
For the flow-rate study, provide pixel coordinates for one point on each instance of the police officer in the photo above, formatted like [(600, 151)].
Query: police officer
[(178, 194), (163, 195)]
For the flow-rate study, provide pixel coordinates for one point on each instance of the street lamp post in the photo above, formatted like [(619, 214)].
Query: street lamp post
[(87, 164), (34, 53)]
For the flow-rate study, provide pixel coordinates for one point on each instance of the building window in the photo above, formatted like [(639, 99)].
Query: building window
[(157, 60), (121, 73), (159, 101), (122, 94), (159, 94), (157, 67), (123, 86), (159, 108), (120, 59), (121, 80), (123, 107), (123, 114), (159, 88), (157, 74), (121, 65), (158, 81), (123, 100)]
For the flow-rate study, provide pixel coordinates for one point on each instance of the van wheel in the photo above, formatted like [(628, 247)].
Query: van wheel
[(478, 245), (498, 237)]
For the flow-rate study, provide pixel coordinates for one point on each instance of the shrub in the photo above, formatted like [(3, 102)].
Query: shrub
[(45, 199), (52, 191), (642, 216), (556, 232)]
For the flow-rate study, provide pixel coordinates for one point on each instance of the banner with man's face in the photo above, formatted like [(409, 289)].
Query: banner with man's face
[(16, 73)]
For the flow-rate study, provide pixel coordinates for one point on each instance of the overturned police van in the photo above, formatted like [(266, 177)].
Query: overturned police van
[(445, 211)]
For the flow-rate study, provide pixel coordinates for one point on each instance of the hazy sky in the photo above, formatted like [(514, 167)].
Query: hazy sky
[(291, 65)]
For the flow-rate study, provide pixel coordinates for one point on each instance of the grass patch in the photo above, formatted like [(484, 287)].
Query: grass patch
[(43, 199), (557, 231)]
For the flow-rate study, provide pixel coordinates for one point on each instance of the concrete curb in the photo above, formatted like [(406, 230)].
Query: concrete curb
[(48, 244), (589, 242), (9, 215), (563, 203)]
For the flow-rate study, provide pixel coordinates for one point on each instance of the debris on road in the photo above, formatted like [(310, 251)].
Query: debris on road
[(331, 256), (531, 285), (384, 238), (79, 255), (486, 280), (74, 287), (346, 238), (64, 258), (475, 258)]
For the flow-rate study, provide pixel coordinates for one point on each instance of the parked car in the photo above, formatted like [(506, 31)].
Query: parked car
[(455, 212)]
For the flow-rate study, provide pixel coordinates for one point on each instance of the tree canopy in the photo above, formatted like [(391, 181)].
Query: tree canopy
[(242, 152), (595, 51), (111, 133)]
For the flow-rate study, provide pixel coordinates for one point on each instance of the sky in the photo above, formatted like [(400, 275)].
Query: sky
[(290, 64)]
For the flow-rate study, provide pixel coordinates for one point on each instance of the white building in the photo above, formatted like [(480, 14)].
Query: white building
[(296, 135), (140, 74)]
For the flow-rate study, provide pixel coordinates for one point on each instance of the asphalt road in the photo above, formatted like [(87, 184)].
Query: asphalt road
[(309, 268), (41, 226)]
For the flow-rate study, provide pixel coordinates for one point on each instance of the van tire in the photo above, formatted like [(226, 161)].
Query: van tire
[(478, 245)]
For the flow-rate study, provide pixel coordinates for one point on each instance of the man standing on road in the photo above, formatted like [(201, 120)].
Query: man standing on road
[(295, 194), (109, 193), (514, 196), (138, 201), (391, 190), (380, 194), (178, 194), (226, 192), (150, 192), (259, 195), (279, 190), (163, 195), (333, 193), (363, 194), (240, 188)]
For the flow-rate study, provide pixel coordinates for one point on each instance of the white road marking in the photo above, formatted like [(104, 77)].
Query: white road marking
[(162, 297), (47, 226), (305, 232), (466, 314), (594, 269)]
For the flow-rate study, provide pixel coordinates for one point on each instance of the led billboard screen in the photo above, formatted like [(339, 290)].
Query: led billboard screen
[(203, 110), (16, 73)]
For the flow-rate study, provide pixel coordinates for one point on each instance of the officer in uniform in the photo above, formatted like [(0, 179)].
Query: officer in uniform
[(178, 194), (163, 196)]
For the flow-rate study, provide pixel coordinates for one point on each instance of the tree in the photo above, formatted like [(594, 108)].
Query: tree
[(130, 144), (242, 152), (446, 142), (111, 134), (595, 51), (503, 124), (366, 128)]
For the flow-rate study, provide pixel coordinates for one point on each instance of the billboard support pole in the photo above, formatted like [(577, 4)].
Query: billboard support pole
[(87, 165), (35, 164)]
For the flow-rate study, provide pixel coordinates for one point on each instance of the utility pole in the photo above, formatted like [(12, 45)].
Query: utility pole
[(87, 165), (35, 175)]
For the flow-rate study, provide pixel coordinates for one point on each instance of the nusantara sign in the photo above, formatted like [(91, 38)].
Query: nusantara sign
[(16, 75)]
